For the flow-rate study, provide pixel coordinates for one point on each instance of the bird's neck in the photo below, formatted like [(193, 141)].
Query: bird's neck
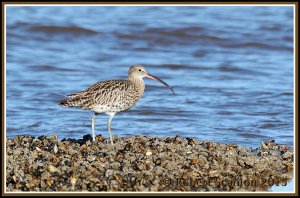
[(138, 82)]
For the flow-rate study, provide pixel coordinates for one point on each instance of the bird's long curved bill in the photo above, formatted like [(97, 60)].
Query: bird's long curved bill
[(159, 80)]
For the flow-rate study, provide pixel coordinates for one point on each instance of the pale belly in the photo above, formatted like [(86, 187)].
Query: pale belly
[(109, 109)]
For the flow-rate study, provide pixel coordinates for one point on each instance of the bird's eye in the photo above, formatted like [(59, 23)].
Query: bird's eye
[(140, 70)]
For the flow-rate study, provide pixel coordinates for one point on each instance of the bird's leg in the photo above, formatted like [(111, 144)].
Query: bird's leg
[(111, 115), (93, 125)]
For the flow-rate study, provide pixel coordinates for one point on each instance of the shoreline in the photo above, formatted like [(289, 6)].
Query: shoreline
[(142, 163)]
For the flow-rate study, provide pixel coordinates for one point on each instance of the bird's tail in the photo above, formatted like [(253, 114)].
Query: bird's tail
[(73, 102)]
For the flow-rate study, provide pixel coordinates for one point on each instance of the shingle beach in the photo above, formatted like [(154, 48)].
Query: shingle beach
[(142, 163)]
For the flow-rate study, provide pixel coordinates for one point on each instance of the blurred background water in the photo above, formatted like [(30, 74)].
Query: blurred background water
[(232, 69)]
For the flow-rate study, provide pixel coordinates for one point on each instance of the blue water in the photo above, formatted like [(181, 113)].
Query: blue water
[(232, 68)]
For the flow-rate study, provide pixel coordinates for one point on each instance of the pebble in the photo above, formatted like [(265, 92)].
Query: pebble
[(287, 155), (53, 169)]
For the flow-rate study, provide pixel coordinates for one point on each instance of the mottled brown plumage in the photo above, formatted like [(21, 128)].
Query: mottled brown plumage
[(112, 96)]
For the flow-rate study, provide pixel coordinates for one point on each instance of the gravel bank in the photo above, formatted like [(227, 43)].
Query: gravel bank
[(143, 163)]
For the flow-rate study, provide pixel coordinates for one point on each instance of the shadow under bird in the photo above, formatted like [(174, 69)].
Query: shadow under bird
[(112, 96)]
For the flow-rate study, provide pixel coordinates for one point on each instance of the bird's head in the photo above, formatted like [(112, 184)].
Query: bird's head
[(139, 71)]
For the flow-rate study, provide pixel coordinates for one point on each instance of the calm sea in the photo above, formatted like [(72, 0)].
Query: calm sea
[(232, 69)]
